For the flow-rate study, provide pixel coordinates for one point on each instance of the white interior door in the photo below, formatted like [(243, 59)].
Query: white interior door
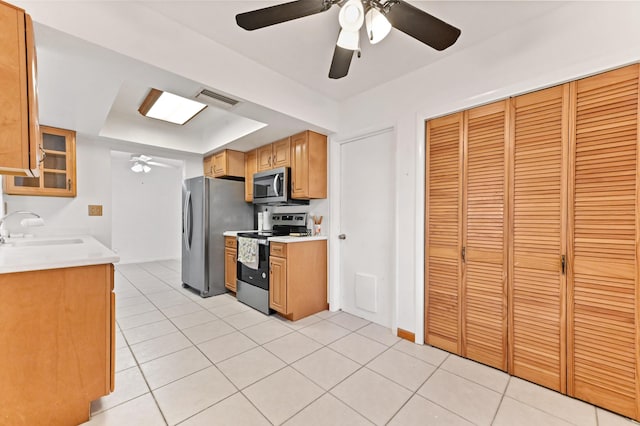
[(367, 221)]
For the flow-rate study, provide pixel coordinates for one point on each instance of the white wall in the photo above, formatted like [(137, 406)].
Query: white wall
[(70, 215), (576, 40), (147, 208), (67, 216)]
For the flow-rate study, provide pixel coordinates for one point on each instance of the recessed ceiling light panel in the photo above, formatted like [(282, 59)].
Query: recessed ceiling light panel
[(166, 106)]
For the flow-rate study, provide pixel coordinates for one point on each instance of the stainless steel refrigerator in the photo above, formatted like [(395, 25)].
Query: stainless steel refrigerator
[(210, 207)]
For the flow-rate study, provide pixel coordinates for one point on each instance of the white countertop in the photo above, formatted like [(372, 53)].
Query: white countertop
[(282, 239), (32, 254), (290, 239)]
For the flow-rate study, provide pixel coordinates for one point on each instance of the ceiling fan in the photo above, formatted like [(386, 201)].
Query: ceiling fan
[(143, 163), (379, 16)]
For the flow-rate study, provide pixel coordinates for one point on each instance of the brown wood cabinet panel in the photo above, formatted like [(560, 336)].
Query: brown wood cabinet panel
[(265, 154), (281, 151), (278, 249), (537, 298), (603, 257), (60, 347), (250, 167), (443, 232), (308, 165), (484, 221), (57, 171), (298, 278), (19, 136), (225, 164), (207, 165), (278, 284), (230, 271)]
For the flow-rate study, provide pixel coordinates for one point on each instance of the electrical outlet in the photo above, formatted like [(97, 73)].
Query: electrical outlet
[(95, 210)]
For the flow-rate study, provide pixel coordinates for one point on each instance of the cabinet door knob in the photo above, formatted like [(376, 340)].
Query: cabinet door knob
[(342, 237)]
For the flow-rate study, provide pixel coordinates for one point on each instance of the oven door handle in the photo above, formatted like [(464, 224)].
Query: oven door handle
[(276, 178)]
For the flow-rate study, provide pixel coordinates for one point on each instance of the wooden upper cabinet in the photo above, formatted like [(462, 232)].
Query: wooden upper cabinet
[(19, 135), (537, 297), (207, 165), (308, 165), (264, 154), (225, 164), (274, 155), (57, 171), (281, 153), (603, 358), (484, 240), (250, 167), (443, 238)]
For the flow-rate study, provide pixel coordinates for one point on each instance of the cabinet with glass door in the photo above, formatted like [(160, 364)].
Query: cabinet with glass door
[(57, 167)]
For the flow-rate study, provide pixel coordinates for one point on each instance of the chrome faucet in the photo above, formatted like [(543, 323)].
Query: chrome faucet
[(2, 239)]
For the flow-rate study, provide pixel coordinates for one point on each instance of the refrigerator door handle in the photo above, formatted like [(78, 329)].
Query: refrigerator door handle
[(186, 220)]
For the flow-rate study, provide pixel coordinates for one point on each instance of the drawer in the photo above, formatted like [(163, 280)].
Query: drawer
[(230, 242), (278, 249)]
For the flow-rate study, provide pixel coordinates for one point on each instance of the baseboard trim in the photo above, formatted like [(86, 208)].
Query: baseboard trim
[(407, 335)]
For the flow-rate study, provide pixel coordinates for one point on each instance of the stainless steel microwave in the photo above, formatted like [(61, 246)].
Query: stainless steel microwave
[(274, 187)]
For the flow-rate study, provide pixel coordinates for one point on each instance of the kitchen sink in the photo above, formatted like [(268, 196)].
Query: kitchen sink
[(37, 243)]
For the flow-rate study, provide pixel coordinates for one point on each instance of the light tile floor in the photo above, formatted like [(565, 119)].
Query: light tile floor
[(181, 359)]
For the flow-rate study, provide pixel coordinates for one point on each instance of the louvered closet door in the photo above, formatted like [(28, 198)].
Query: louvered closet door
[(537, 300), (484, 331), (603, 285), (443, 234)]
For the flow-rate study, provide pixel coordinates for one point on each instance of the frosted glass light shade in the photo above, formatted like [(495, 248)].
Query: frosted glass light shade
[(351, 15), (349, 39), (137, 167), (378, 26), (169, 107)]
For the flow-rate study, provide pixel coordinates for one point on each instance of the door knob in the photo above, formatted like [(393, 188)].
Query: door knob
[(342, 237)]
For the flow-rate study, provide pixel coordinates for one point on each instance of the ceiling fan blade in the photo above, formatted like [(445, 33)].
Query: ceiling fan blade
[(340, 62), (153, 163), (280, 13), (422, 26)]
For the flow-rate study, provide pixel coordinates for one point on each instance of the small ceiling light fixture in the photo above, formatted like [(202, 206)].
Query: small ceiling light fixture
[(378, 26), (166, 106)]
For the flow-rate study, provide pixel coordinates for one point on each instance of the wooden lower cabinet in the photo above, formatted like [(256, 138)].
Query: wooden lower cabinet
[(57, 343), (532, 253), (230, 265), (298, 278)]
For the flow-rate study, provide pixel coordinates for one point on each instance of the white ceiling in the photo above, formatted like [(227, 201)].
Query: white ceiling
[(97, 91)]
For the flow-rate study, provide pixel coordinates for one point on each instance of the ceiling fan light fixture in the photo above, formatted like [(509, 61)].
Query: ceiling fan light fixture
[(349, 39), (166, 106), (378, 27), (137, 167), (146, 168), (351, 15)]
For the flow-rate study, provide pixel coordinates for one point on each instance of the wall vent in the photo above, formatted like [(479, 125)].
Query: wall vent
[(216, 99)]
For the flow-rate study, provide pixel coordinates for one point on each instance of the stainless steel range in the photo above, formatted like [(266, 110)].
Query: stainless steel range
[(253, 274)]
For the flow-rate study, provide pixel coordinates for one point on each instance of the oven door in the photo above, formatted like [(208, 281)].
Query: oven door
[(271, 186), (256, 277)]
